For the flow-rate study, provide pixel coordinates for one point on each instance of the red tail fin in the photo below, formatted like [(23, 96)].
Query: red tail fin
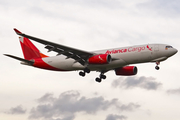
[(29, 49)]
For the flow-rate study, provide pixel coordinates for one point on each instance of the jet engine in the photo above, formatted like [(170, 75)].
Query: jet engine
[(126, 71), (100, 59)]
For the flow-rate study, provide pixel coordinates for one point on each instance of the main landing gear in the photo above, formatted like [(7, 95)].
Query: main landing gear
[(157, 67), (83, 73), (98, 79), (101, 76)]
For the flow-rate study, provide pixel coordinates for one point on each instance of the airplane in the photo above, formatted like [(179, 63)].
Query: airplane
[(72, 59)]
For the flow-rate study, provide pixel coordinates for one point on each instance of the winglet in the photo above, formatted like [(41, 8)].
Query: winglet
[(17, 31)]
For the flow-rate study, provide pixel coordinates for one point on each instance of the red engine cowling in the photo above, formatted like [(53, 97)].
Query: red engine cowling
[(126, 71), (100, 59)]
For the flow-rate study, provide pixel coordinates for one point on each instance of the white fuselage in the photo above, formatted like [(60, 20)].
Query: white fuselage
[(120, 57)]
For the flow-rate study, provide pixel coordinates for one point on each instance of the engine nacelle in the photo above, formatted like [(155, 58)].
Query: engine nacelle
[(100, 59), (126, 71)]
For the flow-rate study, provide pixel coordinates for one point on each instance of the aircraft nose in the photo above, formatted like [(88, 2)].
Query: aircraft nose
[(174, 51)]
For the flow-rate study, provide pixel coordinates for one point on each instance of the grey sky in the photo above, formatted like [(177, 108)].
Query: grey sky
[(71, 102), (116, 117), (16, 110), (173, 91), (163, 7), (27, 92), (148, 83)]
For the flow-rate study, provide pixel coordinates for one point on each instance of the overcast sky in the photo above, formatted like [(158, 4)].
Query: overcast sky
[(28, 93)]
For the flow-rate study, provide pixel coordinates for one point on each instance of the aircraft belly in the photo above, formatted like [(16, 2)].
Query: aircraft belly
[(114, 64)]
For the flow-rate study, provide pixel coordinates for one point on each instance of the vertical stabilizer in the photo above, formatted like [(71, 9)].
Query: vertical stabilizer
[(29, 49)]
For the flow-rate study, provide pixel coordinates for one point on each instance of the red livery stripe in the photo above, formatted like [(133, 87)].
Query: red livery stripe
[(41, 64)]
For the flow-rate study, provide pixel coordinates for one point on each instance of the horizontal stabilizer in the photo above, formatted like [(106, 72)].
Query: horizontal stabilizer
[(20, 59)]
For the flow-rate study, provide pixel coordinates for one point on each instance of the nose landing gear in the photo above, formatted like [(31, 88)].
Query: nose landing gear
[(157, 67)]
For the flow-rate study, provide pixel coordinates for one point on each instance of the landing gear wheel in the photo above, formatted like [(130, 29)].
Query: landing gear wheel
[(82, 74), (98, 80), (86, 70), (157, 68), (102, 76)]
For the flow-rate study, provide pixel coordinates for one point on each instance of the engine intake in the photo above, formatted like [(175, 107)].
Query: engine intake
[(100, 59), (126, 71)]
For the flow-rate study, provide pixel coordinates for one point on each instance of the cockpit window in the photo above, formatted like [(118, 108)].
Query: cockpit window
[(168, 47)]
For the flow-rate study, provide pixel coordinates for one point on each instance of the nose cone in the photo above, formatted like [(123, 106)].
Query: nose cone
[(173, 51)]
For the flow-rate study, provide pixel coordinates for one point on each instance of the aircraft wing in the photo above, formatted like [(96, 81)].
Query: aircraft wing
[(76, 54)]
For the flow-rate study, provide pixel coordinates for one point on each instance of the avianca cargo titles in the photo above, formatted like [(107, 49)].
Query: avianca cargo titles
[(70, 59)]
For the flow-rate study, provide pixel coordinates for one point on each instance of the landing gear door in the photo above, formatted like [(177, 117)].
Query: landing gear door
[(156, 48)]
